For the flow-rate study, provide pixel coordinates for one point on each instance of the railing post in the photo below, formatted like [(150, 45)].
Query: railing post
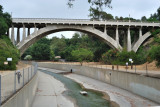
[(146, 70), (0, 90), (23, 76), (31, 71), (28, 74), (15, 82), (135, 68)]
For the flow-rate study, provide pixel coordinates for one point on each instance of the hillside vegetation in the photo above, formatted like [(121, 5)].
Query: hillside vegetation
[(7, 50)]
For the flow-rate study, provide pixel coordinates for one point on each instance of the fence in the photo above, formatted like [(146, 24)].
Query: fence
[(13, 81), (144, 69)]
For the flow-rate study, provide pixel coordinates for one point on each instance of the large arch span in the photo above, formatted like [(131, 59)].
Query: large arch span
[(28, 41)]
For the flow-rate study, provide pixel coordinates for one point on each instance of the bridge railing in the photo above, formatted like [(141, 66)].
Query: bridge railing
[(11, 82), (62, 19)]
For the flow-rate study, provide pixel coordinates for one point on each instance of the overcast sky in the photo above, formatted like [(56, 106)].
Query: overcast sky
[(59, 9)]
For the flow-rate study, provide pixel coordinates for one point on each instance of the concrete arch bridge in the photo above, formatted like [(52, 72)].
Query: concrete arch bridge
[(45, 26)]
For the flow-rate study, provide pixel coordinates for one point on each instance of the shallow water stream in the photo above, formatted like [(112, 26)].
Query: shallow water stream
[(93, 99)]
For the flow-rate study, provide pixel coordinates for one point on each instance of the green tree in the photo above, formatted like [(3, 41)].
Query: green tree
[(96, 13), (7, 50), (5, 21), (97, 3), (82, 55), (40, 50), (58, 45), (154, 55), (144, 18)]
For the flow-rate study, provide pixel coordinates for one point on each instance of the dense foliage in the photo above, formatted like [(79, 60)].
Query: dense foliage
[(7, 50), (5, 21), (115, 57), (40, 50), (82, 54), (63, 47)]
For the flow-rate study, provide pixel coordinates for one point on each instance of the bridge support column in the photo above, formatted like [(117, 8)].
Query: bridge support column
[(140, 32), (28, 32), (117, 36), (35, 29), (129, 40), (12, 35), (105, 29), (18, 35), (24, 32)]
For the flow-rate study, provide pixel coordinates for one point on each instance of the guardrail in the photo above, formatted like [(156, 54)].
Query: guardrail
[(62, 19), (12, 82)]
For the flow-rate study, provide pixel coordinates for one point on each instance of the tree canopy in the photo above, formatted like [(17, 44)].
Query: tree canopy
[(5, 21), (82, 55)]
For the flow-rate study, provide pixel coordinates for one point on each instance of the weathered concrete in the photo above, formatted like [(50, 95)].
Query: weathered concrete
[(147, 87), (25, 96), (23, 45), (122, 97), (50, 93), (95, 28)]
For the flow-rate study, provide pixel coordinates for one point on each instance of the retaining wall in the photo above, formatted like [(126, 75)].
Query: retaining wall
[(25, 96), (144, 86)]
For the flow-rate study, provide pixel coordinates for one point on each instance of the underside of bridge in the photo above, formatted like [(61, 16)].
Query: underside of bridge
[(102, 30)]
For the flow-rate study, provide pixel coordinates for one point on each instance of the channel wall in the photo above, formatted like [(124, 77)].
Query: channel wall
[(25, 96), (148, 87)]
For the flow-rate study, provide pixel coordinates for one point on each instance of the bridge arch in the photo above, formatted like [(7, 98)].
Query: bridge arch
[(140, 41), (28, 41)]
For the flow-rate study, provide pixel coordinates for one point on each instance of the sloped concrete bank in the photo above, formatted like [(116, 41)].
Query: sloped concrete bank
[(144, 86), (24, 97)]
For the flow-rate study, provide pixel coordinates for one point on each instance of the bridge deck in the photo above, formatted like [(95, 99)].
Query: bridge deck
[(82, 22)]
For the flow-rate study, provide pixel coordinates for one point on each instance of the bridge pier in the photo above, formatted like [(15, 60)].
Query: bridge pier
[(12, 35), (129, 40), (24, 33), (105, 29), (117, 36), (18, 35), (140, 32)]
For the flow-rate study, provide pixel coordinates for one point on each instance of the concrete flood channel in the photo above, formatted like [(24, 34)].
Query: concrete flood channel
[(93, 98)]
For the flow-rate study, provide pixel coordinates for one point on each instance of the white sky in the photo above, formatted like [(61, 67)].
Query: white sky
[(59, 9)]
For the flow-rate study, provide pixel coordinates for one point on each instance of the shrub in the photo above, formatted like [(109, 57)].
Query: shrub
[(154, 54), (7, 50), (120, 58), (109, 56), (28, 57)]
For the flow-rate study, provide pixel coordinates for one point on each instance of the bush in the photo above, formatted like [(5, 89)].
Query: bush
[(28, 57), (120, 58), (110, 56), (82, 55), (154, 54), (7, 50)]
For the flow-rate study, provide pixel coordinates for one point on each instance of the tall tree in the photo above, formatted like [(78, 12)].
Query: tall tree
[(5, 21), (97, 8)]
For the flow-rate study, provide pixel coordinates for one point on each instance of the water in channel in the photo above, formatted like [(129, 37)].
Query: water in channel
[(93, 99)]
